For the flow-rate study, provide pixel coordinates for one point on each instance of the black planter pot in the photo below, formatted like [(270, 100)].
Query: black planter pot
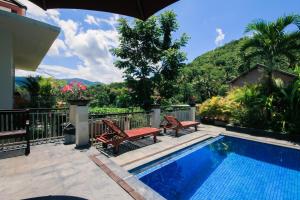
[(79, 102), (192, 104), (155, 106)]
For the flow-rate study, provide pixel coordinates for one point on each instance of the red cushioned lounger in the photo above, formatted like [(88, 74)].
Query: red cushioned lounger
[(116, 135), (173, 123)]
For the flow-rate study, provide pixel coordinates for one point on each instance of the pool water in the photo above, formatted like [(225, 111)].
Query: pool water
[(226, 168)]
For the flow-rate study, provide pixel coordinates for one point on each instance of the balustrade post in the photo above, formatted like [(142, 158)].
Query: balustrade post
[(192, 112), (155, 118), (79, 118), (127, 122)]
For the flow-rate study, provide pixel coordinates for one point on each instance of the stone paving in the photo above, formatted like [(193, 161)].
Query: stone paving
[(53, 170)]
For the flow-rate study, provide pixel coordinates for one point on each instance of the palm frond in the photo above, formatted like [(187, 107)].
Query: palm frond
[(252, 43), (257, 26), (283, 22)]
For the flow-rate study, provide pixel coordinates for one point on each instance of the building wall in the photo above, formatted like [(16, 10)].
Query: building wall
[(6, 70)]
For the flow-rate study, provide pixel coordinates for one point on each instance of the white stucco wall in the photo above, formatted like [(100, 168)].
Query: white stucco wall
[(6, 70)]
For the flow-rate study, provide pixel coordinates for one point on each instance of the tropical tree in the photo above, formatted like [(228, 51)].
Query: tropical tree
[(273, 43), (149, 56), (291, 100), (32, 86)]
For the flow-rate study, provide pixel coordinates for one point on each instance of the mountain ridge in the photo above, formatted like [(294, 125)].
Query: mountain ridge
[(20, 79)]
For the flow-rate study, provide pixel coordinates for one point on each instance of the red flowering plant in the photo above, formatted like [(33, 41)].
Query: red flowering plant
[(75, 91)]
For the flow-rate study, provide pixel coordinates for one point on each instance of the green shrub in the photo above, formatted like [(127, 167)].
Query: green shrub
[(106, 110), (218, 108), (252, 111), (251, 106)]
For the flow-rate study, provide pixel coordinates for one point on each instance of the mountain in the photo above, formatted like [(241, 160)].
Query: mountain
[(229, 55), (20, 79), (86, 82)]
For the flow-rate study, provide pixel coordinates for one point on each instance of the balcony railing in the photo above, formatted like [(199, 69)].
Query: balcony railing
[(45, 125), (181, 113)]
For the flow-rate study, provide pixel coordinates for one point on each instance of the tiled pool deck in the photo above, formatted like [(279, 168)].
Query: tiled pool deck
[(60, 170)]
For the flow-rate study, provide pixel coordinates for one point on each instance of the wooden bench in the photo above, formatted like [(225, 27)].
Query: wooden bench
[(15, 124)]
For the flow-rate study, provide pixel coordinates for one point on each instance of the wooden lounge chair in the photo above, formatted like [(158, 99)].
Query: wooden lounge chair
[(115, 135), (173, 123)]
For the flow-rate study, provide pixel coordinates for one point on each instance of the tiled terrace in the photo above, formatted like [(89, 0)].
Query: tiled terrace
[(56, 170), (53, 170)]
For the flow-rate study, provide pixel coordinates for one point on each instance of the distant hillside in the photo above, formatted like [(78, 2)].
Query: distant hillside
[(229, 55), (19, 81), (225, 55), (86, 82)]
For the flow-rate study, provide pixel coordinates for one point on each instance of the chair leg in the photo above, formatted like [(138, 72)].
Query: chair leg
[(154, 138), (116, 149), (165, 130), (104, 145), (176, 132), (196, 128)]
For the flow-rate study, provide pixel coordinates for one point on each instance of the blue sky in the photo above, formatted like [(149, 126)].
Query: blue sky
[(82, 48)]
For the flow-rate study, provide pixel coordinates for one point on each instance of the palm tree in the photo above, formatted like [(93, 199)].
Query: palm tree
[(271, 42), (32, 85)]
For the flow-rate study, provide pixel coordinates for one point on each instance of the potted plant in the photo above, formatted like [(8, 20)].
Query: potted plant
[(192, 101), (76, 93)]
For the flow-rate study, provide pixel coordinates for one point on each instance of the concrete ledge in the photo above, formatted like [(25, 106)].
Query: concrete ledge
[(264, 133), (282, 143), (164, 152)]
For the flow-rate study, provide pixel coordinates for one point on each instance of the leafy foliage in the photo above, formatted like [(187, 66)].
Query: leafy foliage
[(250, 106), (149, 56), (273, 44), (42, 91), (218, 108), (105, 110)]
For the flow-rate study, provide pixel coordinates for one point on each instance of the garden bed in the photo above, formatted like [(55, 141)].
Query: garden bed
[(264, 133)]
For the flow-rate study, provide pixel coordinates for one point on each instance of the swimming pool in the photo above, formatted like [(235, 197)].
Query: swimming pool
[(225, 168)]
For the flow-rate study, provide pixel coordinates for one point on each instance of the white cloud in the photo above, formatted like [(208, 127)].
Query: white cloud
[(91, 20), (112, 21), (20, 72), (90, 46), (220, 37), (57, 48)]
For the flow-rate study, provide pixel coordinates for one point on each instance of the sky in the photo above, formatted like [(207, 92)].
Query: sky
[(82, 49)]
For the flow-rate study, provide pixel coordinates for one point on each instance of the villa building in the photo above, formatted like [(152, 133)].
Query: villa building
[(13, 7), (256, 74)]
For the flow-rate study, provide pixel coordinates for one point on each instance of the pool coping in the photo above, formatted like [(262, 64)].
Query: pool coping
[(128, 182), (156, 155), (266, 140)]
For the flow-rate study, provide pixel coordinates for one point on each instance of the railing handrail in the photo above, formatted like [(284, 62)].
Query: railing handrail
[(174, 109), (117, 114), (46, 109), (13, 110)]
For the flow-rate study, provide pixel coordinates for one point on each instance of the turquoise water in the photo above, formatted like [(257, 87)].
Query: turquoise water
[(226, 168)]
